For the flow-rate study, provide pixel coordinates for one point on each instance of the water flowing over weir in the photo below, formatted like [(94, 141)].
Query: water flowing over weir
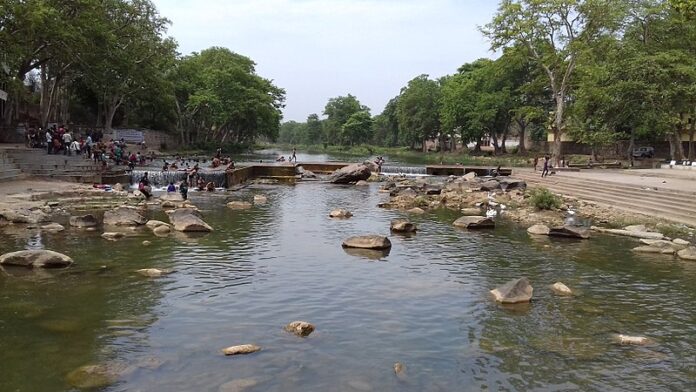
[(407, 170), (159, 178)]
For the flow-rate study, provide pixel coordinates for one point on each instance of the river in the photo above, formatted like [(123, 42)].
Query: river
[(425, 304)]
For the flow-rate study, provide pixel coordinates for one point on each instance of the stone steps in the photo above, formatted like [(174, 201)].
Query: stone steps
[(8, 169), (676, 206), (60, 167)]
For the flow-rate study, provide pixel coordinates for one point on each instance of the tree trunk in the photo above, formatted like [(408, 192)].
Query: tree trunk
[(111, 105), (496, 147), (692, 133), (521, 147), (558, 128), (477, 146), (631, 146)]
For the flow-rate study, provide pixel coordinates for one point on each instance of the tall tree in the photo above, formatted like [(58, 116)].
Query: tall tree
[(417, 111), (338, 110)]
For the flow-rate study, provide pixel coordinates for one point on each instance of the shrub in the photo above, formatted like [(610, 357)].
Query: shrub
[(544, 199)]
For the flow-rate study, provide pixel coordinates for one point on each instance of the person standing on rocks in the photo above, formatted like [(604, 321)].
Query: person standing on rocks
[(545, 170), (294, 157), (183, 189)]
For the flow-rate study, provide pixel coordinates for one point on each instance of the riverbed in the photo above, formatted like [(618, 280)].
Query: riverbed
[(425, 304)]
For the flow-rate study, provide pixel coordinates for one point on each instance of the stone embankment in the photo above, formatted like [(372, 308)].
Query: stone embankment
[(677, 206)]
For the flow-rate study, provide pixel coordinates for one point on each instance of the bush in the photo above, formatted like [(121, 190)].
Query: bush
[(544, 199)]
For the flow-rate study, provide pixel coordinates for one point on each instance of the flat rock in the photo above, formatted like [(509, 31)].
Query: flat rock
[(152, 272), (300, 328), (687, 253), (55, 227), (636, 228), (490, 185), (648, 249), (634, 340), (362, 183), (367, 242), (171, 196), (23, 215), (36, 259), (474, 211), (124, 216), (83, 221), (340, 213), (681, 242), (151, 224), (561, 289), (188, 220), (239, 205), (241, 349), (538, 230), (514, 291), (401, 225), (627, 233), (475, 222), (569, 232), (112, 236)]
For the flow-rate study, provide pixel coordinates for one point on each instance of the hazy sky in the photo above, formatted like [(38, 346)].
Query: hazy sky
[(316, 49)]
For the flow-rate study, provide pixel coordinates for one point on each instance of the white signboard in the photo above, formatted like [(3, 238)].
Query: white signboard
[(3, 95)]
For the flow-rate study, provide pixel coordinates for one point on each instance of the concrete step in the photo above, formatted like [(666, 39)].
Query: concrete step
[(664, 195), (10, 174)]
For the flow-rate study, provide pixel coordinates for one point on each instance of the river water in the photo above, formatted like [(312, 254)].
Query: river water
[(425, 304)]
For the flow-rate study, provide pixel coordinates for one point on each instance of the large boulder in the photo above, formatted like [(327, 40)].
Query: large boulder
[(569, 232), (83, 221), (353, 173), (367, 242), (687, 253), (490, 185), (514, 291), (36, 259), (188, 220), (22, 215), (401, 225), (124, 216), (538, 230), (475, 222)]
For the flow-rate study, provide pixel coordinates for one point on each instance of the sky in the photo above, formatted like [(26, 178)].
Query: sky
[(317, 50)]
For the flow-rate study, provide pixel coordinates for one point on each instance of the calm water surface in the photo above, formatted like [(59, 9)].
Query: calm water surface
[(424, 304)]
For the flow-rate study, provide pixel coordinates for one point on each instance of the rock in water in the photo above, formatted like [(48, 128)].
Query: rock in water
[(152, 224), (626, 339), (241, 349), (162, 230), (22, 215), (514, 291), (471, 211), (260, 199), (353, 173), (367, 242), (239, 205), (124, 216), (188, 220), (54, 227), (416, 210), (475, 222), (362, 183), (340, 213), (681, 242), (95, 376), (402, 226), (300, 328), (238, 385), (152, 272), (570, 232), (399, 369), (147, 243), (36, 259), (112, 236), (561, 289), (83, 221), (539, 230), (687, 254)]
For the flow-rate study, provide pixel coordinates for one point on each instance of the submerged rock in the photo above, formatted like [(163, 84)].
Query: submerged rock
[(162, 230), (561, 289), (239, 205), (569, 232), (353, 173), (36, 259), (399, 369), (362, 183), (54, 227), (124, 216), (340, 213), (538, 230), (514, 291), (416, 210), (475, 222), (188, 220), (112, 236), (152, 224), (238, 385), (147, 243), (260, 199), (153, 272), (367, 242), (300, 328), (96, 376), (402, 226), (241, 349), (636, 340)]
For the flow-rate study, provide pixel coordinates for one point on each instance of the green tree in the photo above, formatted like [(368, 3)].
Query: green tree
[(338, 110), (358, 128), (315, 130), (386, 125), (418, 111)]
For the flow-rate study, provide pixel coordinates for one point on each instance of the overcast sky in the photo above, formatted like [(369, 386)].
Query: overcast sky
[(316, 49)]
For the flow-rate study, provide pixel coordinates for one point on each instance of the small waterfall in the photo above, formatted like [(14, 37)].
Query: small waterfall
[(162, 179), (407, 170)]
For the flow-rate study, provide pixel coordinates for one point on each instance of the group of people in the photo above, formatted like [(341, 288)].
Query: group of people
[(292, 158), (546, 166)]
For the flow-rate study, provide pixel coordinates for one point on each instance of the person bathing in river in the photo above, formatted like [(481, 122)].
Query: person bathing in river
[(183, 189), (171, 187), (210, 187), (144, 186), (280, 159), (200, 184)]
